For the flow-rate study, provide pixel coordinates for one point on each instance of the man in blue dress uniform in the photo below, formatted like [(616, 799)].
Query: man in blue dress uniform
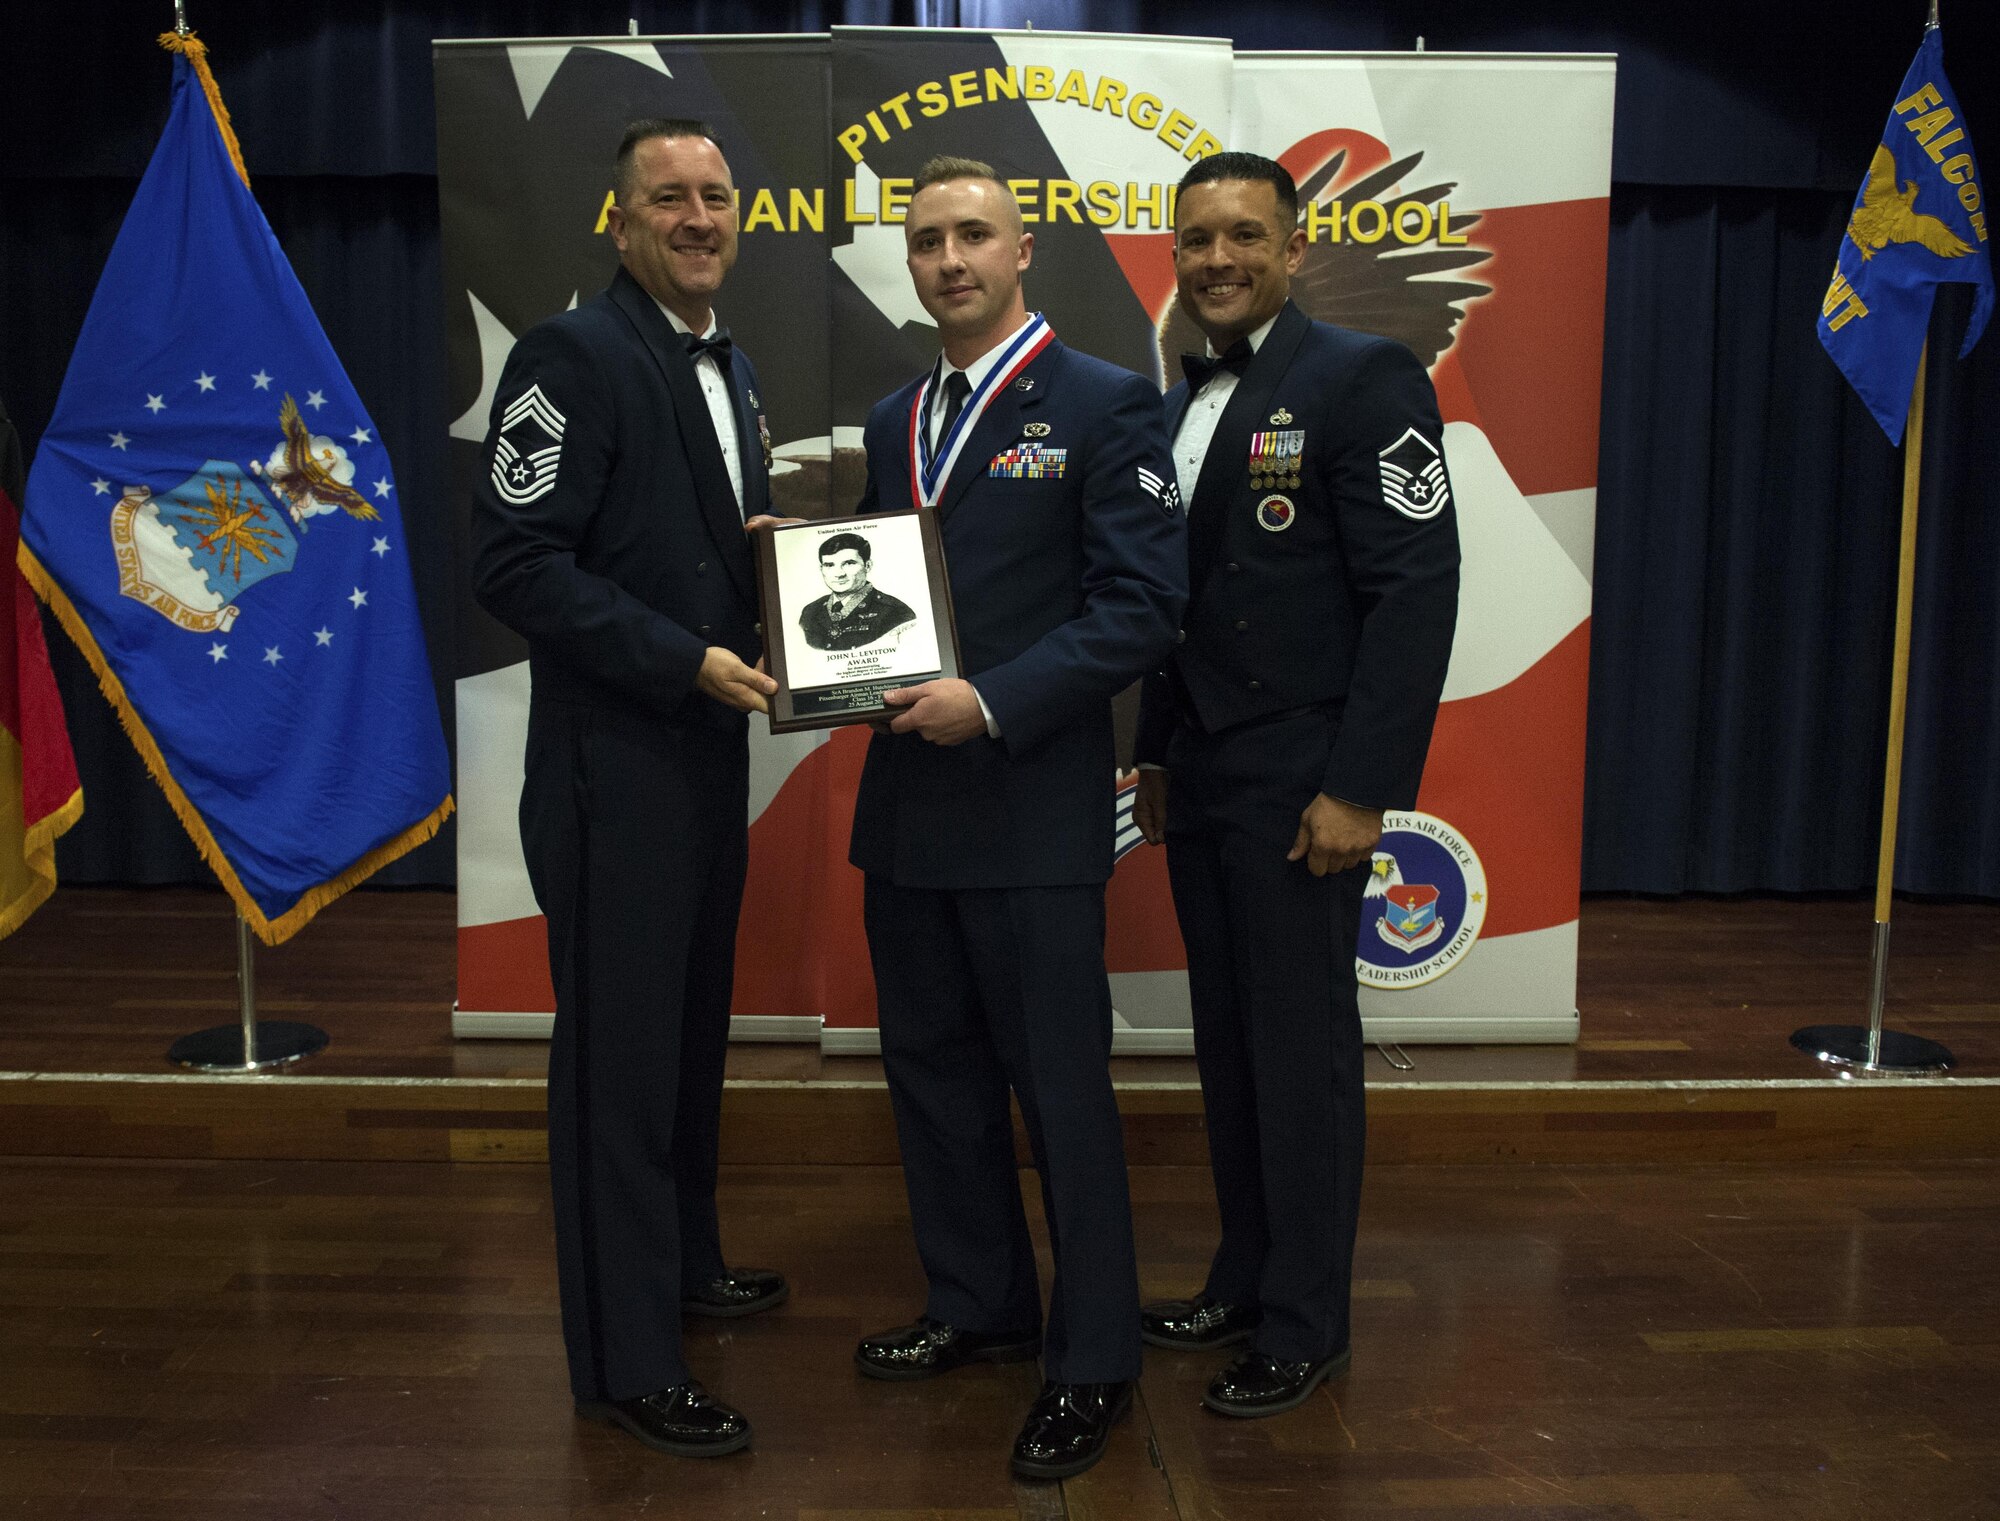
[(984, 822), (609, 530), (1295, 709)]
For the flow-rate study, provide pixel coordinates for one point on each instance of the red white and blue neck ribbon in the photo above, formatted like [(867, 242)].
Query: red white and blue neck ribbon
[(931, 467)]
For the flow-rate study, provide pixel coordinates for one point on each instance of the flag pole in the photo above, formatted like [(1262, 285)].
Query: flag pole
[(1872, 1050), (236, 1048), (248, 1046)]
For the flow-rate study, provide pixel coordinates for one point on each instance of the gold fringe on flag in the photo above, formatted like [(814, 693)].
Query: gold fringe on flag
[(38, 858), (270, 931), (195, 51)]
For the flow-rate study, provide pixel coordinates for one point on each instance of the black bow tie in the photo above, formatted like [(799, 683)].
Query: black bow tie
[(1200, 369), (719, 346)]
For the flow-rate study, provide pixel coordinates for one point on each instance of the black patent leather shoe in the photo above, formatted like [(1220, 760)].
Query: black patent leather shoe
[(739, 1291), (1067, 1428), (1197, 1324), (683, 1420), (1259, 1384), (930, 1347)]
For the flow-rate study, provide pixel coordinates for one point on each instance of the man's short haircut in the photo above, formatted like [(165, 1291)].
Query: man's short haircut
[(644, 130), (840, 541), (1246, 166), (947, 166)]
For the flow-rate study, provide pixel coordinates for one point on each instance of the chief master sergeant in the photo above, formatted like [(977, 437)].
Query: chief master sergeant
[(609, 530)]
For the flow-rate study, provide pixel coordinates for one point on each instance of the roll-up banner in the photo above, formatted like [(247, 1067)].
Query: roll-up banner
[(526, 134), (1455, 202), (1461, 204)]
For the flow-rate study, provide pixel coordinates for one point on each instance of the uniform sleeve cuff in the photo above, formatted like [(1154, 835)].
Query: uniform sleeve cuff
[(992, 724)]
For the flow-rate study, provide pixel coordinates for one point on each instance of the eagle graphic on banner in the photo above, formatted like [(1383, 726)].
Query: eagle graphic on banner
[(1383, 874), (1369, 287)]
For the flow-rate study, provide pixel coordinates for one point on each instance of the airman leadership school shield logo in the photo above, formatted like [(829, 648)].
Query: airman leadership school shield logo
[(1424, 905), (1413, 479), (529, 448)]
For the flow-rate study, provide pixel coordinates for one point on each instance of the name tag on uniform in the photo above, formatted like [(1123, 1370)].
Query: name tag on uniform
[(1030, 462)]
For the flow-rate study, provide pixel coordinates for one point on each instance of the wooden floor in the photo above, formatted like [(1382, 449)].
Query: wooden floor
[(104, 980), (197, 1325), (201, 1341)]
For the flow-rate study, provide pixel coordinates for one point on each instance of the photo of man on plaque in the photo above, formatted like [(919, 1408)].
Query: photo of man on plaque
[(840, 625), (854, 613)]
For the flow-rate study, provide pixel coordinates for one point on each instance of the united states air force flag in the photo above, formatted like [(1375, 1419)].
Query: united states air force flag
[(213, 517), (1919, 221)]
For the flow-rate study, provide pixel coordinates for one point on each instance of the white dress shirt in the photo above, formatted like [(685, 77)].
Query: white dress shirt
[(715, 391), (1204, 411), (974, 373)]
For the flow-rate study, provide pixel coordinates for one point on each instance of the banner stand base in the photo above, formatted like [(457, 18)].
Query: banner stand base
[(866, 1040), (1532, 1030), (466, 1024)]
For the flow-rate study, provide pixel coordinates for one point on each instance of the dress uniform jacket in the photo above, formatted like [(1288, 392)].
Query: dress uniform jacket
[(985, 861), (606, 533), (1066, 588), (1336, 598), (1324, 572)]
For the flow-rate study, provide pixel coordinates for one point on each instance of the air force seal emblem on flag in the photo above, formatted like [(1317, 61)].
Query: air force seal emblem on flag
[(1413, 476), (188, 554), (528, 449)]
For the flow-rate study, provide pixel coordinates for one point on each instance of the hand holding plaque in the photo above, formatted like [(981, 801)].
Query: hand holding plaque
[(946, 711), (853, 608)]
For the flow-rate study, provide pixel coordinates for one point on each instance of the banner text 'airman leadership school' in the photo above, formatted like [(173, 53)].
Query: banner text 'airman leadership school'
[(1101, 203)]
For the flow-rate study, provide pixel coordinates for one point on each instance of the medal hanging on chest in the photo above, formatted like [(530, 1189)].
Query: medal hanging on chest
[(931, 467)]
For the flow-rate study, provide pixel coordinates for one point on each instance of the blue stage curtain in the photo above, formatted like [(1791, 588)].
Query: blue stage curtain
[(1748, 519)]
